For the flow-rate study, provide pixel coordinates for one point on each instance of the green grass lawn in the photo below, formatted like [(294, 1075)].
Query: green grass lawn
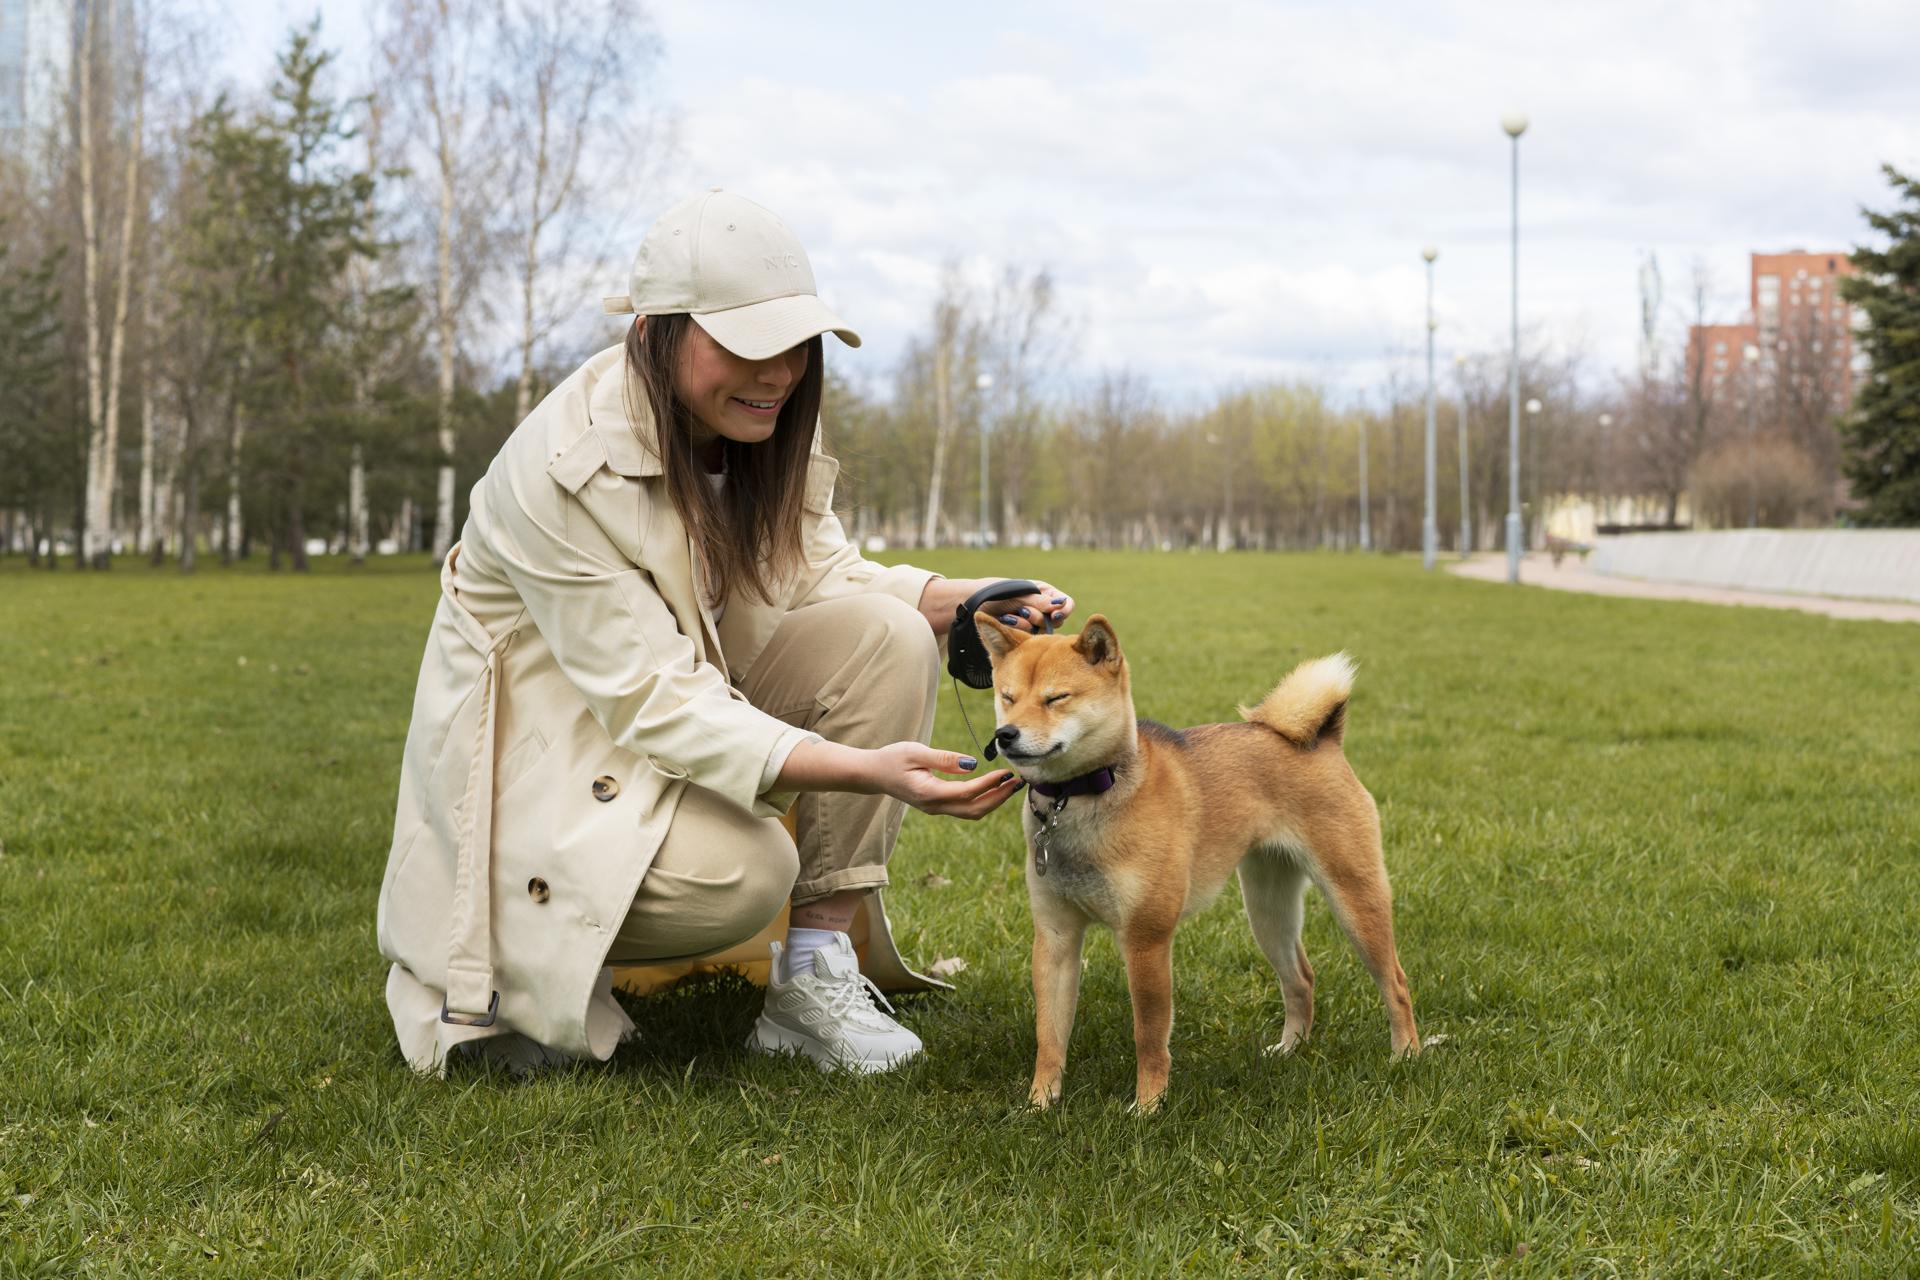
[(1655, 871)]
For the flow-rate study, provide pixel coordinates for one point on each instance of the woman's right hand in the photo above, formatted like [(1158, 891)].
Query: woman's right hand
[(909, 771)]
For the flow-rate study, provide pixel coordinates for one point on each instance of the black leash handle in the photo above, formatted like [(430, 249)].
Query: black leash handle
[(967, 660)]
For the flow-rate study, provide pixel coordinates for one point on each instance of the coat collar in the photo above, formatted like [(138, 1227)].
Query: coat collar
[(617, 412)]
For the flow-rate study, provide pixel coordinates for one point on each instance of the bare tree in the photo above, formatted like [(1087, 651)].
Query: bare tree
[(1026, 340), (952, 346), (435, 57), (96, 54), (360, 282), (143, 537), (568, 75)]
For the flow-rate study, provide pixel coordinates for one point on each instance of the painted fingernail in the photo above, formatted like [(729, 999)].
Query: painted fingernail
[(1025, 612), (1009, 619), (1016, 786), (1059, 599), (969, 763), (1058, 614)]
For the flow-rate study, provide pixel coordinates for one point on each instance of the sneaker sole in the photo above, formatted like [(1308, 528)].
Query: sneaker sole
[(772, 1038)]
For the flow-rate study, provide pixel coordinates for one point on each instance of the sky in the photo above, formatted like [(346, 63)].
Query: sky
[(1232, 192)]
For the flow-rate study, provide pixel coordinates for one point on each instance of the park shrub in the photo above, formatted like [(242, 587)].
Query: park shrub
[(1768, 481)]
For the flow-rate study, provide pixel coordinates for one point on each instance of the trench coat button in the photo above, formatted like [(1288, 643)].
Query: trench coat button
[(537, 890), (605, 788)]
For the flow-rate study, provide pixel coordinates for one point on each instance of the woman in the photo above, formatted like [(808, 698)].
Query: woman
[(653, 639)]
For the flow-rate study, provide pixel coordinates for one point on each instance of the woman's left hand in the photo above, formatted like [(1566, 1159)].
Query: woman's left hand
[(1031, 612)]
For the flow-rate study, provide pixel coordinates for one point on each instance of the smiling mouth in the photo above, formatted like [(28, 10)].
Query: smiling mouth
[(759, 408), (1032, 755)]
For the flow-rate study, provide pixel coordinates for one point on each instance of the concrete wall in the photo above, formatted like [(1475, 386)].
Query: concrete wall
[(1872, 564)]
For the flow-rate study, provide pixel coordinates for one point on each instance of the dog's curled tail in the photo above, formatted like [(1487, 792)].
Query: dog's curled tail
[(1310, 704)]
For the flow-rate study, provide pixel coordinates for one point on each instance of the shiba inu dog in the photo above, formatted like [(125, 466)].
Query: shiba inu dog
[(1137, 826)]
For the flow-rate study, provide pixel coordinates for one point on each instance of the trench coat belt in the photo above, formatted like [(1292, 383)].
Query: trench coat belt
[(472, 999)]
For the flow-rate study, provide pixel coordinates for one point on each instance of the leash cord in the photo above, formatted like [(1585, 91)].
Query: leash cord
[(972, 737)]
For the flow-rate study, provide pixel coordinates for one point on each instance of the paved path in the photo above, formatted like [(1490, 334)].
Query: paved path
[(1536, 569)]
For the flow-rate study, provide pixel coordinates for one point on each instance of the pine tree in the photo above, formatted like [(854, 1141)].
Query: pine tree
[(289, 217), (1882, 433)]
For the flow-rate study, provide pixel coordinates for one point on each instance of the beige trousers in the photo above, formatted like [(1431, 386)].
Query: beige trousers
[(863, 671)]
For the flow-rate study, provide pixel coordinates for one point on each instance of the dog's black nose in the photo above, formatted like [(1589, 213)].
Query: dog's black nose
[(1007, 734)]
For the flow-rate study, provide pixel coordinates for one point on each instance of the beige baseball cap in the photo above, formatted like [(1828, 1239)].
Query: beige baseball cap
[(737, 270)]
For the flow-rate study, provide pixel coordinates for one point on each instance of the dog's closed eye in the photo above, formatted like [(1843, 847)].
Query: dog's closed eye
[(1056, 697)]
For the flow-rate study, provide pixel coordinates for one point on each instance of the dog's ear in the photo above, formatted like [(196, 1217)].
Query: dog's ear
[(997, 636), (1097, 643)]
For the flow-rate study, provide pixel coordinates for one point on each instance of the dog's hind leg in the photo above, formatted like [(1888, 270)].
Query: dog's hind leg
[(1272, 884), (1057, 944), (1350, 870)]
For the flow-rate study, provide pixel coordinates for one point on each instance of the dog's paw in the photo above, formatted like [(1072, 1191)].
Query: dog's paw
[(1145, 1106), (1040, 1096), (1289, 1041)]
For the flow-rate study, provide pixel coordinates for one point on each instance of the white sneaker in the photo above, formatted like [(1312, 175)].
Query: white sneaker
[(829, 1014)]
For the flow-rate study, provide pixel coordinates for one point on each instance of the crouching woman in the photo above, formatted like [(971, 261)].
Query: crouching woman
[(653, 639)]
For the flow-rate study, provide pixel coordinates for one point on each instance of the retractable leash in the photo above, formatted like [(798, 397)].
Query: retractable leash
[(967, 660)]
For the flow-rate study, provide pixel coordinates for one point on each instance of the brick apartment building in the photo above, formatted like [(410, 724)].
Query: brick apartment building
[(1803, 369), (1805, 328), (1799, 325), (1718, 353)]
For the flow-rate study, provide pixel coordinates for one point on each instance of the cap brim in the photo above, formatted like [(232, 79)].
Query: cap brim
[(760, 330)]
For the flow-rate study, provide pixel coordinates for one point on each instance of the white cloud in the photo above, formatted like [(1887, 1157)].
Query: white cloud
[(1227, 189)]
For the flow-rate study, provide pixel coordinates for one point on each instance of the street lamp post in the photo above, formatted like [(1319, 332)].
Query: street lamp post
[(1515, 124), (985, 383), (1466, 524), (1429, 532), (1751, 355)]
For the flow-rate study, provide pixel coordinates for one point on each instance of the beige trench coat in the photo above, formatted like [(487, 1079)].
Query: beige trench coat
[(572, 687)]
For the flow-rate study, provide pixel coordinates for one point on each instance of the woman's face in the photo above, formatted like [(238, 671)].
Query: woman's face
[(731, 396)]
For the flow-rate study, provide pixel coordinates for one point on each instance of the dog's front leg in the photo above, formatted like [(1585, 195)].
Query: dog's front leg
[(1057, 939), (1149, 956)]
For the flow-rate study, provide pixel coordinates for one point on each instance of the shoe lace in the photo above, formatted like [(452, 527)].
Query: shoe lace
[(853, 998)]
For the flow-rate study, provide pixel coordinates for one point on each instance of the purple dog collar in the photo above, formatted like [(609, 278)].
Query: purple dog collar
[(1087, 784)]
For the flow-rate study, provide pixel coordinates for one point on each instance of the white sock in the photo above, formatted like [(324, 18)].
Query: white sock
[(801, 944)]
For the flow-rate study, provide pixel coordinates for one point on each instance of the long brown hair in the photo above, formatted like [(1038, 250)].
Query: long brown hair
[(749, 531)]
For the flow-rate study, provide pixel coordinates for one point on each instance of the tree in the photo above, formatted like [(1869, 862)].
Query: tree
[(569, 72), (31, 424), (1882, 433), (434, 54), (97, 59), (292, 211), (1025, 339), (954, 352)]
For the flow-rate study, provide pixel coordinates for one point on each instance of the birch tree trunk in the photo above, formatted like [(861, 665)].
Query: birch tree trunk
[(236, 435), (117, 348), (443, 507), (189, 508), (90, 285), (163, 510), (357, 504), (145, 535), (942, 419), (357, 466)]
